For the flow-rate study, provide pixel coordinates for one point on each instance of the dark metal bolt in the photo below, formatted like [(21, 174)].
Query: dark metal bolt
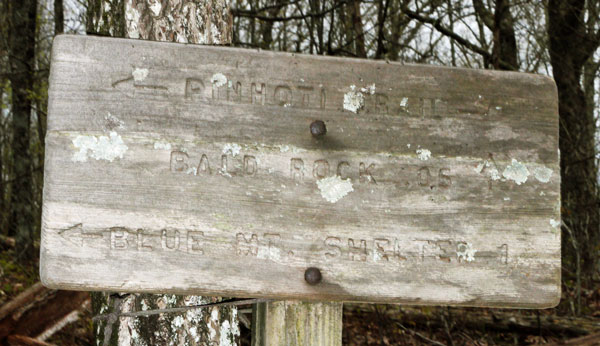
[(317, 128), (313, 276)]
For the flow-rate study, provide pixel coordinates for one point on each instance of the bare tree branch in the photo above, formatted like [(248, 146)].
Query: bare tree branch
[(252, 14)]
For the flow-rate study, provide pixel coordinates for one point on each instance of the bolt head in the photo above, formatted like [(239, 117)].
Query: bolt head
[(313, 276), (317, 128)]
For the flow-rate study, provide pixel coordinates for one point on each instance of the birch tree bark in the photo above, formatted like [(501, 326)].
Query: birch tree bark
[(185, 21)]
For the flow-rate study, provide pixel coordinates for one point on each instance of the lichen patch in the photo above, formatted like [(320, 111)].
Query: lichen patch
[(492, 172), (423, 154), (353, 100), (231, 148), (334, 188), (99, 148), (542, 174), (218, 80), (139, 74), (554, 223), (369, 89), (516, 172), (466, 252), (404, 102), (162, 146)]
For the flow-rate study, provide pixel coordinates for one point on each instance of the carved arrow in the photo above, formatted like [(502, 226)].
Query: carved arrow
[(130, 88), (75, 234)]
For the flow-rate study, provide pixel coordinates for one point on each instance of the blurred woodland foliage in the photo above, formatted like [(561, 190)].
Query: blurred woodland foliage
[(558, 38)]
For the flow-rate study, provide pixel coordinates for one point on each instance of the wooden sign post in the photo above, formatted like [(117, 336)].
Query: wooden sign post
[(258, 174)]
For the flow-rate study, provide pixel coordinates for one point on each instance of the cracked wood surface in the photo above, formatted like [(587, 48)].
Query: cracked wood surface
[(198, 175)]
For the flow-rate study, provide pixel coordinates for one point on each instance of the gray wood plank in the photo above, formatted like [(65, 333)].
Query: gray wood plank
[(186, 169), (294, 323)]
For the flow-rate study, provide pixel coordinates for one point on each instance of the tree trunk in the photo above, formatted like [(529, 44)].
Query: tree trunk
[(106, 17), (208, 326), (501, 23), (396, 29), (191, 21), (59, 17), (382, 8), (266, 27), (187, 21), (22, 29), (504, 51), (3, 145), (359, 35), (570, 46)]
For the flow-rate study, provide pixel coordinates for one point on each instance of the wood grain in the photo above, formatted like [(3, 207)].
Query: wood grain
[(198, 174), (294, 323)]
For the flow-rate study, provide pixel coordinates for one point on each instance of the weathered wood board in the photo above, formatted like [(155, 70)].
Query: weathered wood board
[(186, 169)]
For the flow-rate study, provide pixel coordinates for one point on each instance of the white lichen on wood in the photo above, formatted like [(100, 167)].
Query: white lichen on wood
[(404, 102), (284, 148), (494, 174), (162, 145), (542, 174), (353, 100), (423, 154), (482, 167), (99, 148), (516, 172), (466, 252), (232, 148), (139, 74), (555, 223), (334, 188), (369, 89), (218, 80)]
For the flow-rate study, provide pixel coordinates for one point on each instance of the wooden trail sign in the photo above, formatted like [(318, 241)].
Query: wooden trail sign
[(189, 169)]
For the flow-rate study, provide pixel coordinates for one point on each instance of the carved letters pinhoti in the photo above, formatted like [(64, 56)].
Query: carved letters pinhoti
[(200, 174)]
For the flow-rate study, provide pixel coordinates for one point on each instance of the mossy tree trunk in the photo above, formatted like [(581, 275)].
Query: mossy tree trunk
[(186, 21)]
